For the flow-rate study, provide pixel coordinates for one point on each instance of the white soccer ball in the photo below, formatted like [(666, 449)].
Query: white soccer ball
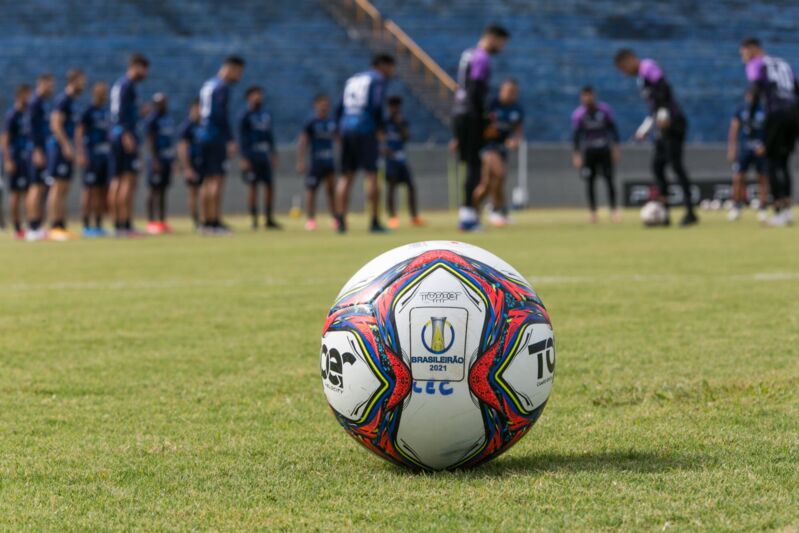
[(437, 355), (653, 214)]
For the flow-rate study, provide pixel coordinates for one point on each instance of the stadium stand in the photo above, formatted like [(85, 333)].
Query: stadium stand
[(293, 48), (559, 46)]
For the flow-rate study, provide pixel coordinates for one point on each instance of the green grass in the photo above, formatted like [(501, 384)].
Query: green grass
[(172, 383)]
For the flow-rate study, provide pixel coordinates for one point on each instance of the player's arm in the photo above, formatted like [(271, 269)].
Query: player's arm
[(302, 149), (732, 139), (57, 119), (577, 137), (244, 143), (377, 96), (515, 138), (80, 148), (274, 158), (5, 143)]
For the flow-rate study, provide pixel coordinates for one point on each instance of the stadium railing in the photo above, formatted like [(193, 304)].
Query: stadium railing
[(435, 84)]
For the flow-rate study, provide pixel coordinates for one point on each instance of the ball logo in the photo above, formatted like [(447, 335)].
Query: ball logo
[(333, 366), (438, 328)]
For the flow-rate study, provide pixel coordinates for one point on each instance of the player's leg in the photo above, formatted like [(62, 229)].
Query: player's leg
[(391, 201), (589, 173), (349, 166), (252, 202), (330, 191), (675, 139), (498, 177), (311, 184), (608, 174), (266, 177), (659, 162), (413, 204), (85, 209), (738, 195), (15, 200), (483, 188)]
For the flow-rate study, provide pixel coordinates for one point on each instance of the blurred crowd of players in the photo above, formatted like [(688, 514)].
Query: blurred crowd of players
[(44, 145)]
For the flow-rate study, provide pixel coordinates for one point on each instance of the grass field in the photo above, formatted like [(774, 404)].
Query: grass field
[(173, 383)]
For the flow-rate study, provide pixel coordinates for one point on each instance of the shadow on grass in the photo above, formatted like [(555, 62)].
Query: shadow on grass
[(630, 461)]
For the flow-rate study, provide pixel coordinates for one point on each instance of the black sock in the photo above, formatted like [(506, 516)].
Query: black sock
[(254, 215), (98, 221), (86, 222), (17, 227), (375, 222)]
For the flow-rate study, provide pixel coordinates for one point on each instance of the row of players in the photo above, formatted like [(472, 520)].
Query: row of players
[(768, 123), (40, 147), (482, 135)]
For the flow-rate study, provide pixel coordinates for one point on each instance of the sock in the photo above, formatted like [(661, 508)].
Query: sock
[(34, 224), (86, 222), (375, 222), (17, 227), (98, 221), (254, 215), (269, 214)]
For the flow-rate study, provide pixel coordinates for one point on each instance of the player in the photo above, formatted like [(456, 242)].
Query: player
[(217, 143), (360, 122), (38, 128), (259, 155), (125, 145), (15, 156), (160, 133), (91, 141), (319, 135), (669, 123), (745, 151), (397, 170), (61, 152), (596, 148), (189, 156), (774, 83), (470, 114), (503, 132)]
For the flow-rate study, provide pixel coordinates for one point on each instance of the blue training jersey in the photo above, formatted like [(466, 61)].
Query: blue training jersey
[(14, 125), (95, 122), (255, 135), (214, 118), (504, 119), (161, 129), (321, 133), (189, 132), (37, 125), (124, 111), (65, 105), (395, 140), (757, 135), (361, 106)]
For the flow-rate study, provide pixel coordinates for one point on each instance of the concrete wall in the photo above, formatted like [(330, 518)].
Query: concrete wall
[(551, 179)]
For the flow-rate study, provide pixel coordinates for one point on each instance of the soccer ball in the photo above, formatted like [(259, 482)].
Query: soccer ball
[(653, 214), (437, 355)]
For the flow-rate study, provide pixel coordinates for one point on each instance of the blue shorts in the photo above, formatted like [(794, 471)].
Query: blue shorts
[(398, 172), (748, 158), (213, 157), (498, 148), (122, 162), (58, 167), (359, 151), (319, 171), (97, 173), (20, 178), (161, 179), (260, 172)]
